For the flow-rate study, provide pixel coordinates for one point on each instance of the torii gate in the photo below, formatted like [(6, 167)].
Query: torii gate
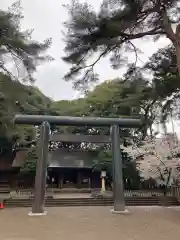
[(45, 121)]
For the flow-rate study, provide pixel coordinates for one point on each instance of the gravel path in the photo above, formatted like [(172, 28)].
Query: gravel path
[(91, 223)]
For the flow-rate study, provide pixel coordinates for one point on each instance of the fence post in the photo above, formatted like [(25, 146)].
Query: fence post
[(41, 169)]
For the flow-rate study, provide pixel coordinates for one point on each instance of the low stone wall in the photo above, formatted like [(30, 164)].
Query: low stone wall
[(29, 193)]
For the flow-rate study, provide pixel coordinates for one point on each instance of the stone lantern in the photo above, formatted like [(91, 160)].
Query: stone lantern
[(103, 185)]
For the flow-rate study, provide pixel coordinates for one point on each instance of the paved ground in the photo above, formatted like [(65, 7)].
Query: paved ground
[(91, 223)]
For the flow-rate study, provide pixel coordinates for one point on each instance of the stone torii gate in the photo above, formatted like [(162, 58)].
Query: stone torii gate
[(45, 121)]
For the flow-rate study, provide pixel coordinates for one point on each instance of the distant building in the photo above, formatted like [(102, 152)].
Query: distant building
[(67, 168)]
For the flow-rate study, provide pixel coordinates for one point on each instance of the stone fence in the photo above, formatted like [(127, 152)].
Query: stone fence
[(29, 193)]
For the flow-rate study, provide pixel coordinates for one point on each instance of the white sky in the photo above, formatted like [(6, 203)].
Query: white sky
[(46, 18)]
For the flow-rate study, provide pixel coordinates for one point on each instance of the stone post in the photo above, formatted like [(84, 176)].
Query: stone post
[(118, 186), (41, 171), (103, 183)]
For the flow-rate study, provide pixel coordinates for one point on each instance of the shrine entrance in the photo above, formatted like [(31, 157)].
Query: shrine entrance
[(69, 178), (41, 169)]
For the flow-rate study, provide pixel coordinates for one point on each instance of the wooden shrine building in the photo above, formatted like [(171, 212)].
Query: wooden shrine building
[(67, 168)]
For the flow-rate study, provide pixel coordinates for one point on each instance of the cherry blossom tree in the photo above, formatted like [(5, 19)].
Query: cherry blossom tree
[(158, 159)]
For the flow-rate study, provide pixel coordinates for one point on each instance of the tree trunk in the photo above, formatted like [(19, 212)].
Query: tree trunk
[(176, 43), (167, 182), (165, 191), (173, 36), (177, 50)]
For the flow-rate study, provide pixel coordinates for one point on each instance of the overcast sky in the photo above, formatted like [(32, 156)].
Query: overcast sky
[(46, 17)]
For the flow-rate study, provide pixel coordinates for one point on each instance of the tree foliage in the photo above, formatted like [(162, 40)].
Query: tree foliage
[(18, 98), (30, 161), (166, 84), (17, 47), (109, 99), (111, 31)]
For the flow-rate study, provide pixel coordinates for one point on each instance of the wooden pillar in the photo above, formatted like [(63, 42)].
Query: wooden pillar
[(79, 177), (60, 181), (89, 183)]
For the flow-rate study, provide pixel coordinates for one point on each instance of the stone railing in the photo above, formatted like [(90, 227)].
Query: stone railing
[(29, 193)]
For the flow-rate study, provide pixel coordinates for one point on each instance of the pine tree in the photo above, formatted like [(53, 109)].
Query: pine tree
[(17, 47), (111, 31)]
